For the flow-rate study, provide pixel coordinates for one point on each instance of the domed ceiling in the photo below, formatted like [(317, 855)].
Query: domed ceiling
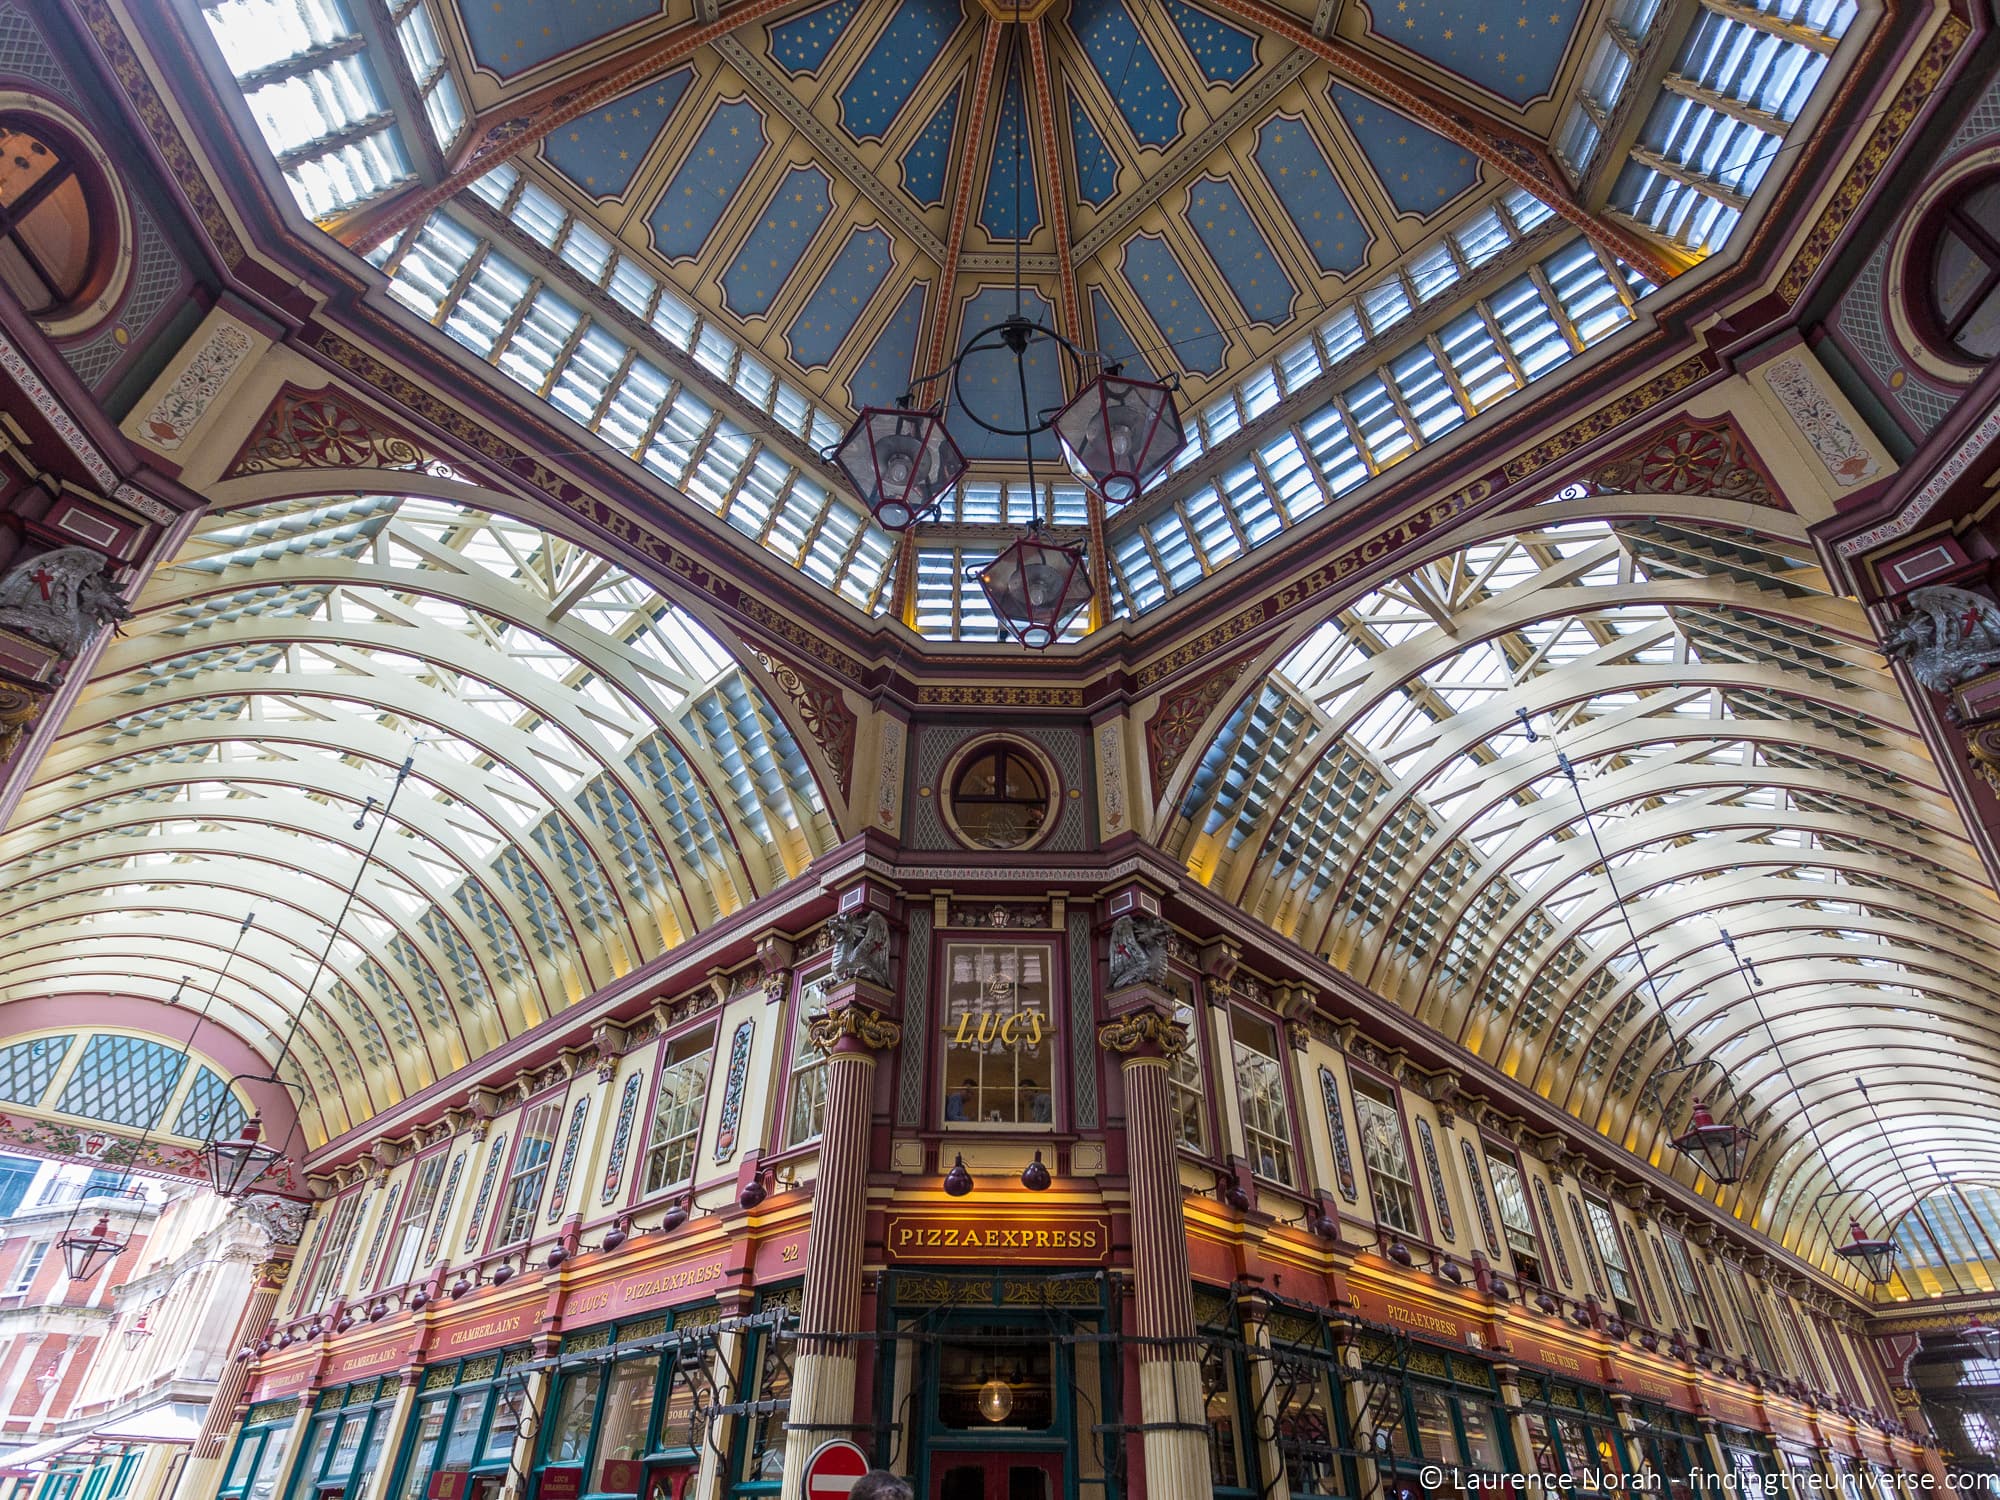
[(1385, 216)]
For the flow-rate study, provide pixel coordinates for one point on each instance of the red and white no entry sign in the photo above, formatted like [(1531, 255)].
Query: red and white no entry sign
[(833, 1468)]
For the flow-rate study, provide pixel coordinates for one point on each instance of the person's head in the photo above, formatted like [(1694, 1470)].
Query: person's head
[(880, 1484)]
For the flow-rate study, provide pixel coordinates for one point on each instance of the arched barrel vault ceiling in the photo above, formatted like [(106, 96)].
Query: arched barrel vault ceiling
[(1747, 764), (594, 778), (1349, 228)]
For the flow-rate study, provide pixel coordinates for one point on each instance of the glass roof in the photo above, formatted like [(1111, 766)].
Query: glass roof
[(715, 270), (1390, 796), (594, 777)]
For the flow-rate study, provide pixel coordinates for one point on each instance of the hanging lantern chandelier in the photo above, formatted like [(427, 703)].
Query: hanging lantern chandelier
[(1876, 1259), (1718, 1150), (100, 1229), (1982, 1336), (236, 1164), (137, 1333), (1117, 433)]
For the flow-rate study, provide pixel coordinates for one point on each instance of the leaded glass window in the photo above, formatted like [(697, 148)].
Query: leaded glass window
[(530, 1171), (681, 1092), (1391, 1180), (122, 1080), (1260, 1088)]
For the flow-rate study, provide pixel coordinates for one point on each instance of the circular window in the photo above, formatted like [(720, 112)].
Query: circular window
[(49, 251), (1000, 796), (1965, 272)]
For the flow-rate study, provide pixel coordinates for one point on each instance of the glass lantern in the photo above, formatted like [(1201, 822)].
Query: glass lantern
[(1035, 586), (1119, 434), (900, 462)]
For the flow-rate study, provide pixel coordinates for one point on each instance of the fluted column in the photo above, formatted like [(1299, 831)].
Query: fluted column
[(203, 1475), (852, 1033), (1170, 1404)]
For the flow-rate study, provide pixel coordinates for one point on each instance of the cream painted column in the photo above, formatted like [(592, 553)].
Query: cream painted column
[(851, 1033), (1509, 1377), (709, 1480), (203, 1475), (1145, 1038)]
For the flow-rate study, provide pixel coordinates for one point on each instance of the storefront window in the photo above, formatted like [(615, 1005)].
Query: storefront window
[(612, 1387), (760, 1455), (347, 1424), (1575, 1433), (1670, 1447), (1426, 1406), (260, 1451), (996, 1378), (677, 1111), (1228, 1418), (466, 1418), (999, 1036), (1307, 1403), (1260, 1086)]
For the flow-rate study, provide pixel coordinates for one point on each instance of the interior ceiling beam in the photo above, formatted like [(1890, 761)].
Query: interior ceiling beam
[(1069, 302), (513, 127), (977, 103), (1516, 155)]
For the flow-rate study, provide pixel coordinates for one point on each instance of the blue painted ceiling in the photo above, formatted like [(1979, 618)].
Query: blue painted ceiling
[(832, 180)]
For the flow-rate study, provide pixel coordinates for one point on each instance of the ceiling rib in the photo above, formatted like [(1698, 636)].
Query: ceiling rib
[(961, 196)]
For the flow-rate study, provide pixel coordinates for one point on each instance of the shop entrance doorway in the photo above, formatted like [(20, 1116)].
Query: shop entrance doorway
[(997, 1476)]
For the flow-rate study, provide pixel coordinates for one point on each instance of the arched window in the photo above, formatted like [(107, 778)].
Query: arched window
[(1000, 798), (48, 241), (1965, 280)]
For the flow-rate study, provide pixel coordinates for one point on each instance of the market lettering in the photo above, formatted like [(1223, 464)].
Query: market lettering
[(989, 1026)]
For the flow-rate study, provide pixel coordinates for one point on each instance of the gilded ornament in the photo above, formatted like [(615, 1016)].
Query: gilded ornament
[(1143, 1028), (868, 1027)]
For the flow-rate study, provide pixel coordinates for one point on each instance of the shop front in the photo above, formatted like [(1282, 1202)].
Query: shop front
[(258, 1462), (999, 1383), (1431, 1417), (1670, 1446), (346, 1441), (629, 1407), (1574, 1431), (461, 1439)]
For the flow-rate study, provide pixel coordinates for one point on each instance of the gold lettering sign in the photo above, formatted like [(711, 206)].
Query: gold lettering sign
[(966, 1239), (1411, 1317), (1016, 1029)]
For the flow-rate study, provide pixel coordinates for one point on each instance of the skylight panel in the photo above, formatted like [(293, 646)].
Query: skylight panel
[(1427, 393), (493, 188), (1433, 272), (540, 340), (1379, 423), (1481, 238), (1385, 305), (1526, 210), (1342, 333), (1529, 328), (1291, 477)]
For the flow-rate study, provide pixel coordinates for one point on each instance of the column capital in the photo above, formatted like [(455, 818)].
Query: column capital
[(1143, 1033), (854, 1020)]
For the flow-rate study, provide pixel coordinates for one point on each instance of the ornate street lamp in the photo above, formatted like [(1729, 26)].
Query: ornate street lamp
[(137, 1332), (1035, 586), (1876, 1259), (900, 461), (1119, 434), (1718, 1150), (236, 1164)]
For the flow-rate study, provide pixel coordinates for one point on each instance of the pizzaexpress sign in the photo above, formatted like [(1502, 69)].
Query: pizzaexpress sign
[(935, 1237)]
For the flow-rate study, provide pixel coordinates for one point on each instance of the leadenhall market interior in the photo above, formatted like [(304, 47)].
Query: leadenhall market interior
[(1095, 749)]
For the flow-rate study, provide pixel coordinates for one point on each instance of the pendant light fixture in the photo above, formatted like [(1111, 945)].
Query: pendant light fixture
[(1982, 1336), (238, 1163), (1875, 1259), (136, 1332), (1117, 434)]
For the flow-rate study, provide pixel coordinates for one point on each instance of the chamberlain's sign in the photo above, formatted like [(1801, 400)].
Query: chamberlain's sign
[(946, 1238)]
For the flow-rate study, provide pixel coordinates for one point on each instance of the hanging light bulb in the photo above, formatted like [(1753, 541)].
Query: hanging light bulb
[(958, 1181), (996, 1400), (138, 1333), (1718, 1150)]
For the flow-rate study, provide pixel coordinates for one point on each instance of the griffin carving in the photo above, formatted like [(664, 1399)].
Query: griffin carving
[(1948, 636), (860, 947), (61, 598), (1138, 951)]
